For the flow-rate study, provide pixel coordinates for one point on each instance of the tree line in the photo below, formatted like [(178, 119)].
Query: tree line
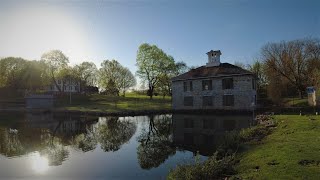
[(17, 74), (155, 68), (286, 68)]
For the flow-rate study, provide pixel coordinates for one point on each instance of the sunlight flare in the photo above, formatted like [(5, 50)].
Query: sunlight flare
[(39, 164)]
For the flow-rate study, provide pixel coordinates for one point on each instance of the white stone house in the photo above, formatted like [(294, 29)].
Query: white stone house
[(214, 86), (66, 85)]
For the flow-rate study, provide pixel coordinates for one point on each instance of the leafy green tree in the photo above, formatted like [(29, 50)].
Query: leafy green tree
[(67, 75), (55, 61), (113, 76), (174, 69), (12, 72), (36, 77), (86, 72), (20, 74), (127, 80), (152, 64), (181, 67)]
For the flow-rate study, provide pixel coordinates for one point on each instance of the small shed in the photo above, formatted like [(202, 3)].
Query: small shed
[(39, 101)]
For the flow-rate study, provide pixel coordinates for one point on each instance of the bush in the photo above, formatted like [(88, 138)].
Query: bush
[(213, 168), (254, 133), (231, 142)]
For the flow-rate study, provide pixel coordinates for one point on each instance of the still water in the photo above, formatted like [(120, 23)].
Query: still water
[(50, 146)]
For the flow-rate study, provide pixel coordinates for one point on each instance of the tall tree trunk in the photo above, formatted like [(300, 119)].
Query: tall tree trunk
[(150, 91), (301, 93)]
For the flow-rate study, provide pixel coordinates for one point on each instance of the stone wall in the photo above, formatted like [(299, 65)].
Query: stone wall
[(242, 91)]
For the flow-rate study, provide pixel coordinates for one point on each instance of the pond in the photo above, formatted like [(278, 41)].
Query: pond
[(142, 147)]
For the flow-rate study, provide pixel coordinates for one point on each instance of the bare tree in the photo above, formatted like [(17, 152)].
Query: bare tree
[(291, 60)]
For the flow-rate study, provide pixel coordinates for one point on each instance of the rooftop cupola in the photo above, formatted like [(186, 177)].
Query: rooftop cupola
[(213, 58)]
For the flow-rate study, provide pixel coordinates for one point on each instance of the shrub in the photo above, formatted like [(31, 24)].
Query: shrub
[(254, 133), (213, 168), (230, 144)]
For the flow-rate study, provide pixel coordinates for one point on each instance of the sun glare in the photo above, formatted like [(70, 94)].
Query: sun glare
[(31, 31), (39, 163)]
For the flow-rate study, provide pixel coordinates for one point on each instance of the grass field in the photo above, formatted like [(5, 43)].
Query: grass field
[(295, 102), (292, 151), (103, 103)]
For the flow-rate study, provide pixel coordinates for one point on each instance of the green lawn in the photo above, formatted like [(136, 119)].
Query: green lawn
[(296, 139), (103, 103), (295, 102)]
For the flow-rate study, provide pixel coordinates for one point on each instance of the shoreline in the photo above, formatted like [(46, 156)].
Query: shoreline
[(129, 112), (279, 110)]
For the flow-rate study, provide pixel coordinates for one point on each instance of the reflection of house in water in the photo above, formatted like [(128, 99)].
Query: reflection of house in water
[(63, 125), (204, 133)]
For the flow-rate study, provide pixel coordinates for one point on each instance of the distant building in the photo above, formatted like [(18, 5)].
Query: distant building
[(214, 86), (40, 101), (66, 85)]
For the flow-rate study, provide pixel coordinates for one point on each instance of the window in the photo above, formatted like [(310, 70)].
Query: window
[(253, 84), (70, 87), (206, 85), (65, 87), (228, 100), (206, 100), (185, 87), (188, 123), (76, 88), (188, 101), (227, 83)]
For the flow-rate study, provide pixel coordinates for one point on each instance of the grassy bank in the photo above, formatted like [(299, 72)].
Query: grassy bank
[(292, 151), (288, 148), (103, 103)]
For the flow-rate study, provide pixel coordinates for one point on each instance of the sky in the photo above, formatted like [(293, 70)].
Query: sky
[(114, 29)]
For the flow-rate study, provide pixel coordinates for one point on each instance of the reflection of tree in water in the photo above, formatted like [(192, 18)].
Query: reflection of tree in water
[(29, 140), (86, 141), (54, 150), (155, 143), (10, 144), (112, 133)]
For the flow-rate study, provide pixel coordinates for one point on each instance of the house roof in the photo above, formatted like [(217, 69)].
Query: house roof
[(224, 69)]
